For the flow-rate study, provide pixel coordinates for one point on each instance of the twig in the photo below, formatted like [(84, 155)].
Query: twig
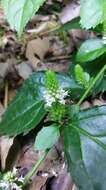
[(6, 95), (59, 58)]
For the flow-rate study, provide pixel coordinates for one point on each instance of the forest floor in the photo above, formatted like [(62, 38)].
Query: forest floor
[(38, 49)]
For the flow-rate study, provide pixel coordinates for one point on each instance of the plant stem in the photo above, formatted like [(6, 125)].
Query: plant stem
[(91, 85), (104, 17), (35, 168)]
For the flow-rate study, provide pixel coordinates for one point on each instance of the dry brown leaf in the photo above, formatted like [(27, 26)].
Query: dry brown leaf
[(43, 27), (3, 69), (71, 11), (36, 50), (85, 105), (59, 67), (62, 182), (78, 36), (5, 145), (51, 166), (97, 102), (24, 70), (39, 182)]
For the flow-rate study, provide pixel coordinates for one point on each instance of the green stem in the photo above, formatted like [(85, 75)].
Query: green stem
[(91, 85), (35, 168), (104, 18)]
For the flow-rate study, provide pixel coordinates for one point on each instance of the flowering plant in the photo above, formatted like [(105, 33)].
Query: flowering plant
[(51, 95), (10, 181), (58, 97)]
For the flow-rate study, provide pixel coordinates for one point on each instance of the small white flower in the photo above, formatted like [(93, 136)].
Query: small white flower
[(104, 40), (15, 186), (49, 102), (59, 96), (63, 92), (14, 172), (62, 101), (21, 179), (4, 184), (49, 99)]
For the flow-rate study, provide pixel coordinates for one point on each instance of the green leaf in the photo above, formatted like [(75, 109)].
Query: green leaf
[(73, 24), (18, 13), (91, 13), (85, 148), (47, 137), (82, 77), (66, 82), (92, 68), (90, 50), (27, 109)]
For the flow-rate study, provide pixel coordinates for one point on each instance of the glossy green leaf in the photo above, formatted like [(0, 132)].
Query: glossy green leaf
[(18, 13), (27, 109), (47, 137), (73, 24), (92, 68), (85, 148), (66, 82), (90, 50), (91, 13)]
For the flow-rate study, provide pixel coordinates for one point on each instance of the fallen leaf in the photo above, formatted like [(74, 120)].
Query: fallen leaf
[(36, 50), (71, 11), (97, 102), (39, 182), (62, 182), (24, 70), (85, 105), (49, 168), (5, 145), (43, 27), (3, 69), (78, 36)]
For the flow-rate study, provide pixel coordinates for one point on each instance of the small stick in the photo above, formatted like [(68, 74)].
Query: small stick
[(59, 58), (6, 95)]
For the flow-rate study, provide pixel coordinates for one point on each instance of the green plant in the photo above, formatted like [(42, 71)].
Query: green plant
[(46, 93), (18, 13), (10, 180)]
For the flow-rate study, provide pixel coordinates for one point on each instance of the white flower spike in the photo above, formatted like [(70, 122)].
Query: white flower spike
[(58, 96)]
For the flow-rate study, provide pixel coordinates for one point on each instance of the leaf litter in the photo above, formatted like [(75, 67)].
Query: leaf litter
[(19, 59)]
